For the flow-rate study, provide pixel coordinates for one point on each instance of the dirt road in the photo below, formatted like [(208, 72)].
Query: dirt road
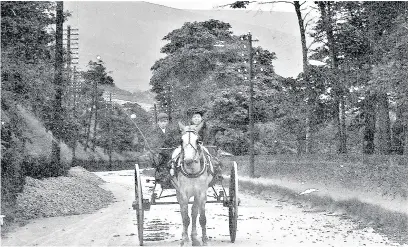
[(262, 222)]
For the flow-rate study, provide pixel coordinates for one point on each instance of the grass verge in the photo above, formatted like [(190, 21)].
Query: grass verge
[(366, 177), (392, 224)]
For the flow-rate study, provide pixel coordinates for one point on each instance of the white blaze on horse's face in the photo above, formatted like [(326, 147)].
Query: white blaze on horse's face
[(190, 146)]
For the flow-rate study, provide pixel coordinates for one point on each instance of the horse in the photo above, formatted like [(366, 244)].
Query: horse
[(192, 180)]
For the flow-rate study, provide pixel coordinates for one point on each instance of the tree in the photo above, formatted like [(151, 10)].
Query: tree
[(303, 23), (26, 51), (363, 42), (327, 25), (96, 74), (180, 78), (229, 107), (115, 129), (205, 67), (390, 73), (26, 80), (143, 120)]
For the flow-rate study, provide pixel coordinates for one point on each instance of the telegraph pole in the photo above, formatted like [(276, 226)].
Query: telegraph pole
[(71, 36), (72, 77), (69, 51), (110, 131), (251, 111), (58, 83)]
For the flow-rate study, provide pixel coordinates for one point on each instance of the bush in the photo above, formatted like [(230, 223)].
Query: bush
[(232, 141), (12, 176), (43, 167), (12, 155)]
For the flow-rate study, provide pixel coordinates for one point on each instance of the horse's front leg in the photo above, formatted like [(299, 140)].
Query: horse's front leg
[(194, 213), (183, 201), (203, 219)]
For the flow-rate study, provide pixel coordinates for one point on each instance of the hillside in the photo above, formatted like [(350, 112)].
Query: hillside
[(128, 36), (285, 22), (41, 141), (144, 98)]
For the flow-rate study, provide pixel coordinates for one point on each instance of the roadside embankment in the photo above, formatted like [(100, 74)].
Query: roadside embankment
[(77, 193), (371, 190)]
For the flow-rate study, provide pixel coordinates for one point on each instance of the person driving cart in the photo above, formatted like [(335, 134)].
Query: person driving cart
[(164, 140)]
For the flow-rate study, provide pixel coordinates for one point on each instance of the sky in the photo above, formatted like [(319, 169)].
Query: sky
[(127, 66), (211, 4)]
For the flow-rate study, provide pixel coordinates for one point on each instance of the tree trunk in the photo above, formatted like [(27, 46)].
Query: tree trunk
[(327, 13), (384, 133), (369, 123), (405, 139), (300, 140), (96, 114), (308, 144), (58, 83), (88, 129), (95, 125), (343, 130), (398, 133)]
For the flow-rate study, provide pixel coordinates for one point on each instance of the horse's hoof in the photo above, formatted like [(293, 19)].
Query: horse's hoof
[(205, 242), (184, 242), (196, 243)]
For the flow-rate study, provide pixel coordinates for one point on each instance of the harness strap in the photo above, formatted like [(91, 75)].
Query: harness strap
[(195, 175), (204, 159)]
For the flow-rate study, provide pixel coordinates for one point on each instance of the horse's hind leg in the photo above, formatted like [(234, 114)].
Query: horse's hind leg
[(194, 213)]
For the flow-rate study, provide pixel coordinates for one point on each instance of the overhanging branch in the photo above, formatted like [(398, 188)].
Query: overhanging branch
[(290, 2), (232, 4), (304, 17), (312, 43), (307, 23)]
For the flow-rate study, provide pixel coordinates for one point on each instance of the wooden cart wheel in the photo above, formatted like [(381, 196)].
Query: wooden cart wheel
[(139, 200), (233, 205)]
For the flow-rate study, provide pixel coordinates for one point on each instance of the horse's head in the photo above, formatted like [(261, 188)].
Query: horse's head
[(190, 148)]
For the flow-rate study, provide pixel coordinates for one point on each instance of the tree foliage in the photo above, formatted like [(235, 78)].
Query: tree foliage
[(207, 66), (363, 47)]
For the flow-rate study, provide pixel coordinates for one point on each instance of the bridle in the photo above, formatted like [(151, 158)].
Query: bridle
[(196, 153), (196, 150)]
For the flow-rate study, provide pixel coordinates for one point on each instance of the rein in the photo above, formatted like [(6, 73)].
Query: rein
[(189, 142)]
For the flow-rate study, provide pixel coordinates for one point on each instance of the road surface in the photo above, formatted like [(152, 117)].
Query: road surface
[(262, 222)]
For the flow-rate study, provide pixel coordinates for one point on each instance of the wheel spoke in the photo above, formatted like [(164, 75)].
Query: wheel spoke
[(139, 200)]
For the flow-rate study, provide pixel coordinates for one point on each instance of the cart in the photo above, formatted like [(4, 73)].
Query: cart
[(227, 199)]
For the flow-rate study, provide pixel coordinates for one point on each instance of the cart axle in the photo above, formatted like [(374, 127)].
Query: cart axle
[(147, 204)]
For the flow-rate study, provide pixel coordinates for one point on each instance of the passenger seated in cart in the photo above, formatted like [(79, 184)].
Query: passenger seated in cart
[(196, 117), (164, 139)]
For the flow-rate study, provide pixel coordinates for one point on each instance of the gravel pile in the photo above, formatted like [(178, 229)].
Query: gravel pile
[(78, 193)]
